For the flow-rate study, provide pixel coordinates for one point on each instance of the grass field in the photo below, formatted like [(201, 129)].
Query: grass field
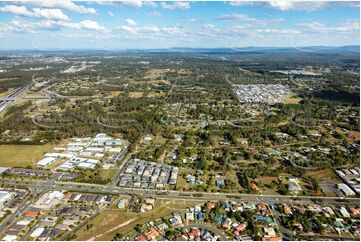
[(111, 221), (291, 100), (22, 155), (324, 176), (107, 173)]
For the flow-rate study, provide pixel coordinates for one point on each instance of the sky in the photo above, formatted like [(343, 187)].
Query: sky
[(119, 25)]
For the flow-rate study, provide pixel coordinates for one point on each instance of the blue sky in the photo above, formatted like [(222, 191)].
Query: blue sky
[(138, 24)]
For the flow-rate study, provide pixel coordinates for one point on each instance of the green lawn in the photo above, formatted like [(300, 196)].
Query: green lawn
[(22, 155)]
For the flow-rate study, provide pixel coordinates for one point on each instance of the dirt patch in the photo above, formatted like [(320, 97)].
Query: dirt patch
[(136, 94)]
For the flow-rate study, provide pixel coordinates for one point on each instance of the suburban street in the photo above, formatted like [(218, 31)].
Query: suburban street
[(19, 211)]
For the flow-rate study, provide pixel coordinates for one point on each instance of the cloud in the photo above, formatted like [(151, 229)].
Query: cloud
[(144, 31), (150, 4), (130, 22), (287, 5), (278, 31), (129, 3), (239, 3), (172, 30), (347, 27), (291, 5), (154, 14), (248, 19), (192, 21), (20, 26), (85, 24), (18, 10), (45, 13), (237, 16), (63, 4), (134, 3), (49, 14), (90, 24), (129, 29), (175, 5), (110, 14), (151, 29)]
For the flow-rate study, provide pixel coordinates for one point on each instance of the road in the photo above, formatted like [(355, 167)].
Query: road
[(121, 156), (174, 195), (285, 233), (22, 98), (7, 101), (170, 194), (14, 96), (19, 211)]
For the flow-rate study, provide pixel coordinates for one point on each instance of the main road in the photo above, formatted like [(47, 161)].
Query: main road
[(171, 194)]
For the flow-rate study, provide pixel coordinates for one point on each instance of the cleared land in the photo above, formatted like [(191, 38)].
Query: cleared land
[(136, 94), (22, 155), (324, 176), (111, 221)]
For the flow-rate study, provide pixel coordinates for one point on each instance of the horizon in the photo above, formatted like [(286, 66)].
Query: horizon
[(127, 25), (180, 47)]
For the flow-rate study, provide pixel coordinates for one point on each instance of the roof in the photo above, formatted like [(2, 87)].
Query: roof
[(86, 165), (3, 169), (9, 238), (151, 233), (31, 214), (37, 232), (46, 161), (267, 238), (4, 196)]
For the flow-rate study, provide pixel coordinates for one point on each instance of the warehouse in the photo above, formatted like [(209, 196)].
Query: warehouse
[(45, 162)]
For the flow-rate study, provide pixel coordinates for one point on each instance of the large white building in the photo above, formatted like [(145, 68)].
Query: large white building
[(45, 162), (5, 196)]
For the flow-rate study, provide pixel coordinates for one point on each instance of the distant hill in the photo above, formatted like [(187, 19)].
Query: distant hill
[(308, 50), (255, 50)]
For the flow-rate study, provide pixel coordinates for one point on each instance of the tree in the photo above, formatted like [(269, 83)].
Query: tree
[(138, 228)]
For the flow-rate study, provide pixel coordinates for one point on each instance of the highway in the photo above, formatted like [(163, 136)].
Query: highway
[(171, 194), (7, 101), (14, 96), (21, 98)]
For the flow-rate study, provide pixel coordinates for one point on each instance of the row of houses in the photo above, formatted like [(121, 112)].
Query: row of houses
[(145, 174), (198, 214), (352, 178), (332, 219)]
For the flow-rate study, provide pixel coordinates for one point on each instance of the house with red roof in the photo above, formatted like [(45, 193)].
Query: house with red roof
[(31, 214), (194, 233)]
